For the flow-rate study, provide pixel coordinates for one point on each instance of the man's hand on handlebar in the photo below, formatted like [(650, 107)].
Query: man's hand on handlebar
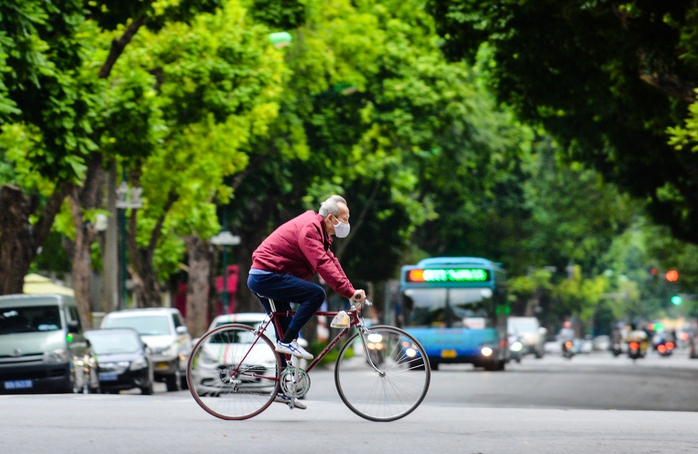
[(359, 297)]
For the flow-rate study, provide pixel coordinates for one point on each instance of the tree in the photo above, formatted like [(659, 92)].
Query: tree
[(46, 93), (372, 111), (606, 79), (217, 81)]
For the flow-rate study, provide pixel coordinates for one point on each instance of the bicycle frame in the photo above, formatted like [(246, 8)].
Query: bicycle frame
[(354, 321)]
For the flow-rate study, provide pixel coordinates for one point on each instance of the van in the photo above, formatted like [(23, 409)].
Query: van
[(42, 347)]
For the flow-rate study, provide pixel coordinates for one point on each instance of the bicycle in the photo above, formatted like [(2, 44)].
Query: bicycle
[(234, 373)]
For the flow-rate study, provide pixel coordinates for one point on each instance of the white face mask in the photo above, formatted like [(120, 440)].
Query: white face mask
[(341, 230)]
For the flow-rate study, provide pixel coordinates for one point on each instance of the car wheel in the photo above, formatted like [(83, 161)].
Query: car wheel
[(538, 355), (147, 390), (183, 380), (173, 382), (94, 382)]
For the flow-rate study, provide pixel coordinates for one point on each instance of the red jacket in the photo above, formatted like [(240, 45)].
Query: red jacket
[(301, 248)]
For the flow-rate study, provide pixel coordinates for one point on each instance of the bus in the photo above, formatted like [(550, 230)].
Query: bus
[(457, 308)]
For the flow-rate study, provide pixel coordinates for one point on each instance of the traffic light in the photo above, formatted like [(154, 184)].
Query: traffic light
[(672, 275), (676, 300)]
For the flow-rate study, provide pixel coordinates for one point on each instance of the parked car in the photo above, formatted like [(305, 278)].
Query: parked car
[(42, 347), (164, 332), (122, 360), (530, 333), (206, 375)]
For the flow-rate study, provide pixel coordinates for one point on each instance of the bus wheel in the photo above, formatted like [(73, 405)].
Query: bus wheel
[(494, 365)]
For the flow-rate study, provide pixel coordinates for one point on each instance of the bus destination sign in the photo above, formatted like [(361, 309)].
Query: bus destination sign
[(428, 275)]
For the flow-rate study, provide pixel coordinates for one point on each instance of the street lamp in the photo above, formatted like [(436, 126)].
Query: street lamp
[(126, 198), (225, 239)]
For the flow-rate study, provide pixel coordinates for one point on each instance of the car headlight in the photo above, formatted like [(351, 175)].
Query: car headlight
[(516, 346), (56, 356), (140, 363)]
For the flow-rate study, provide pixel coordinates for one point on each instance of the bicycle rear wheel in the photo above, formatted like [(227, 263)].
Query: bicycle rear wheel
[(398, 383), (233, 372)]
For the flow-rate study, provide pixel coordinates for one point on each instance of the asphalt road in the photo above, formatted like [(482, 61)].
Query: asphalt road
[(593, 403)]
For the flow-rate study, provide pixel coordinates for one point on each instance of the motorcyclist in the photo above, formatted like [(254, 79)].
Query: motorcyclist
[(566, 335), (639, 336)]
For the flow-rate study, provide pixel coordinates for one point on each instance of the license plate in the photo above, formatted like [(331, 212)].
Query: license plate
[(18, 384), (448, 353), (108, 377), (162, 365)]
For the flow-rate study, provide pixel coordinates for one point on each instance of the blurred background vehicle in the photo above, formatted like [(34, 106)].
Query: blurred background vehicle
[(42, 347), (164, 332), (530, 334), (209, 364), (122, 360), (601, 343)]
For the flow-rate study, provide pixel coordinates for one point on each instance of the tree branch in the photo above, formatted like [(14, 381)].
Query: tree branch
[(671, 85), (43, 225), (362, 217), (118, 46)]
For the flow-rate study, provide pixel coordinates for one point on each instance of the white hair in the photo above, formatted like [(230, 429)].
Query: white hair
[(331, 206)]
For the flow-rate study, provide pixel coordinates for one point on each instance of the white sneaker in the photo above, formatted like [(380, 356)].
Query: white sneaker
[(283, 399), (293, 349)]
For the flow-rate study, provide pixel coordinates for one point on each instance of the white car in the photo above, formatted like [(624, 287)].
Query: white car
[(163, 331), (209, 366)]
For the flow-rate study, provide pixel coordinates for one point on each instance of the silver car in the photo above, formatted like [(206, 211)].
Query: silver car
[(530, 334), (163, 331)]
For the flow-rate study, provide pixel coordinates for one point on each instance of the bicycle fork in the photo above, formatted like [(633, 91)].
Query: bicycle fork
[(363, 332)]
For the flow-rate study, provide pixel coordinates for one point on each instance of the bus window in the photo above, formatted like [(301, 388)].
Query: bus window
[(425, 306), (472, 307), (467, 307)]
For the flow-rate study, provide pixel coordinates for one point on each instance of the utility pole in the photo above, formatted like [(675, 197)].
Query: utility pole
[(110, 291)]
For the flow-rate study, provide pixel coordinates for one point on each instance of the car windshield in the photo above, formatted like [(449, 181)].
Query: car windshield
[(29, 319), (145, 325), (104, 343), (524, 326)]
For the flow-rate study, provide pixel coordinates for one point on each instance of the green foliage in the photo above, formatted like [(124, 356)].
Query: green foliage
[(278, 14), (217, 81), (606, 79)]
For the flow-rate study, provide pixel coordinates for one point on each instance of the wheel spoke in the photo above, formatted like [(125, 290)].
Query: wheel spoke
[(233, 373), (399, 385)]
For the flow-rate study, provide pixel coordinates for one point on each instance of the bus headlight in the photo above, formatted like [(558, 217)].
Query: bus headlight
[(486, 351)]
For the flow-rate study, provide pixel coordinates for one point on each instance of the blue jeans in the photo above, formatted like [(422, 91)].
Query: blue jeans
[(285, 289)]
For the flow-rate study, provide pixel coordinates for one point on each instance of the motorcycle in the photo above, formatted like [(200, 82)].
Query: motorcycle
[(616, 349), (665, 348), (568, 349), (637, 349)]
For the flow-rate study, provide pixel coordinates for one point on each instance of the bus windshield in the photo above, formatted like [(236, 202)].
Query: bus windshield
[(467, 307)]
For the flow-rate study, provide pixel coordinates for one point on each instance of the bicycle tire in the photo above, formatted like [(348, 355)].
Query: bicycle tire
[(399, 390), (220, 387)]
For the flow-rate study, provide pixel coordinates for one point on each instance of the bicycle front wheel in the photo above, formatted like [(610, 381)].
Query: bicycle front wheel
[(385, 381), (233, 372)]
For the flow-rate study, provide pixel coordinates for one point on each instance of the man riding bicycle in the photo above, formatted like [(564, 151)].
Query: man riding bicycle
[(291, 255)]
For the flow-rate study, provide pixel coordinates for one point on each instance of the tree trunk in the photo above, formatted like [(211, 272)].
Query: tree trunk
[(81, 200), (198, 292), (147, 287), (19, 240), (16, 242)]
